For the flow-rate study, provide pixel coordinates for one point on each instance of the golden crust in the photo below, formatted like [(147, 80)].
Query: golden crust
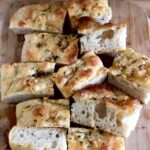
[(97, 9), (88, 70), (109, 94), (88, 25), (92, 139), (26, 80), (43, 113), (133, 67), (61, 49), (42, 17)]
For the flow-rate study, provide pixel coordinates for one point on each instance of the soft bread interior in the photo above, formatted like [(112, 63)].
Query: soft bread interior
[(37, 138)]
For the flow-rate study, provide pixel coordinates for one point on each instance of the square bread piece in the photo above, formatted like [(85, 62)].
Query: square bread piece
[(24, 81), (32, 138), (86, 71), (93, 139), (97, 9), (38, 17), (102, 39), (130, 72), (107, 108), (61, 49), (43, 113)]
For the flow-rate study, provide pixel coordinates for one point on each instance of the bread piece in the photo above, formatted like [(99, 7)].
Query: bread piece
[(89, 25), (82, 112), (86, 71), (38, 17), (43, 113), (92, 139), (24, 81), (61, 49), (110, 109), (23, 138), (97, 9), (103, 39), (130, 72)]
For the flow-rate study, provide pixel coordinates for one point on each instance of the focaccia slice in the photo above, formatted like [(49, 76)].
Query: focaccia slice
[(24, 81), (86, 71), (38, 17), (93, 139), (102, 39), (107, 108), (97, 9), (43, 113), (61, 49), (130, 72), (33, 138)]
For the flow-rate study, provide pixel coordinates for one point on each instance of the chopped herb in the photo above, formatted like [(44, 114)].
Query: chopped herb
[(57, 135), (39, 45)]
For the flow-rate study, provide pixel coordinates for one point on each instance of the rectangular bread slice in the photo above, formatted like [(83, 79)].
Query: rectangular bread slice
[(43, 113), (130, 72), (97, 9), (24, 81), (103, 39), (32, 138), (93, 139), (38, 17), (107, 108), (86, 71), (61, 49)]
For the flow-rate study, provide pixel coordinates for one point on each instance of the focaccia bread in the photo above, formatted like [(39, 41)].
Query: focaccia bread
[(32, 138), (24, 81), (88, 25), (97, 9), (86, 71), (107, 108), (92, 139), (103, 39), (43, 113), (38, 17), (130, 72), (61, 49)]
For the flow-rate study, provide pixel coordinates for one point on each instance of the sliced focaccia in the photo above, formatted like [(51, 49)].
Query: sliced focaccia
[(102, 39), (62, 49), (43, 113), (86, 71), (23, 81), (33, 138), (38, 17), (107, 108), (130, 72), (92, 139), (97, 9)]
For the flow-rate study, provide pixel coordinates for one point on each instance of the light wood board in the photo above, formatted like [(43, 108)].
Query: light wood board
[(135, 13)]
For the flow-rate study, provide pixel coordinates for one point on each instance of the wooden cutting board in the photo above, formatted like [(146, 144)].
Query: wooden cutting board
[(135, 13)]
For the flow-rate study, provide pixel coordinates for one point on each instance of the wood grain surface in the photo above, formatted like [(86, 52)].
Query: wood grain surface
[(135, 13)]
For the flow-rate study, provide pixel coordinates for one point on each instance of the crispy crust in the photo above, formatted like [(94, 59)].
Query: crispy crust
[(86, 71), (40, 17), (43, 113), (22, 81), (89, 25), (61, 49), (92, 139), (97, 9), (108, 93), (133, 69)]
